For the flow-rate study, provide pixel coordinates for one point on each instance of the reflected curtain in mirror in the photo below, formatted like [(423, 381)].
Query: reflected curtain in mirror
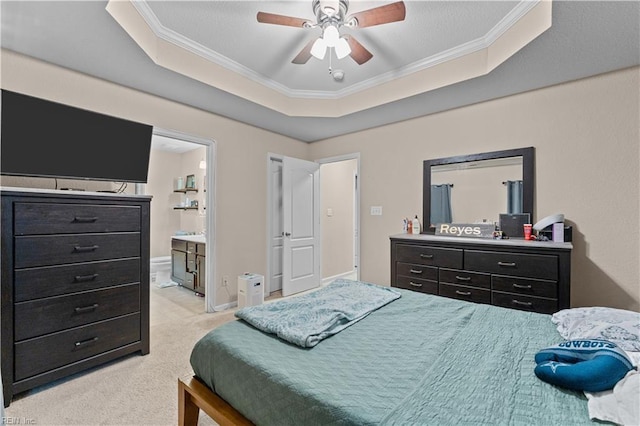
[(514, 196), (441, 203)]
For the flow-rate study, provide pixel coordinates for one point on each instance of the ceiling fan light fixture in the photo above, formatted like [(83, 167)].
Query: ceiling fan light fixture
[(331, 35), (319, 49), (342, 48)]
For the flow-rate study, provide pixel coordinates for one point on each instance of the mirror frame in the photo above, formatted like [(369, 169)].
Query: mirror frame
[(528, 181)]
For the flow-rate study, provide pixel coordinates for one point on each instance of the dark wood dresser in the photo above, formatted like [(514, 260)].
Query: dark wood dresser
[(519, 274), (75, 283)]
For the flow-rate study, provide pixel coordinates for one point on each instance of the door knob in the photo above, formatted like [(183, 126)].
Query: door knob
[(287, 234)]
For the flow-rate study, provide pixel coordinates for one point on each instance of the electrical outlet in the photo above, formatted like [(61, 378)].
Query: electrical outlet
[(225, 280)]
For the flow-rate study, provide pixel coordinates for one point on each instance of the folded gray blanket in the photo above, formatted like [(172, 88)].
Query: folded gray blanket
[(306, 320)]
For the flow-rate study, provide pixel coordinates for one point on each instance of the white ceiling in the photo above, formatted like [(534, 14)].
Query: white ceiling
[(585, 39), (176, 146)]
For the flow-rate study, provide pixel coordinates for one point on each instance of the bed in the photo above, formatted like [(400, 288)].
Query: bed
[(420, 359)]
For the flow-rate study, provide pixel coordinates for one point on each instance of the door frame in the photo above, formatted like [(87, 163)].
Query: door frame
[(210, 197), (358, 180), (272, 157), (278, 157), (269, 272)]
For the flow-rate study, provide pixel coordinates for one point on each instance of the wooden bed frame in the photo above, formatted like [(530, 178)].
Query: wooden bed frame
[(193, 396)]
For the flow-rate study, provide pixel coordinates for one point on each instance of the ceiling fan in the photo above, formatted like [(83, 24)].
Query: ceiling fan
[(331, 15)]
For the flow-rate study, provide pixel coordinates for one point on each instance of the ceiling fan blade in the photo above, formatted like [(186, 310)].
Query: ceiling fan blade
[(358, 52), (305, 54), (272, 18), (392, 12)]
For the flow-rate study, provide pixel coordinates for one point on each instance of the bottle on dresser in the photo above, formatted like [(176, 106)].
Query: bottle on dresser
[(415, 225)]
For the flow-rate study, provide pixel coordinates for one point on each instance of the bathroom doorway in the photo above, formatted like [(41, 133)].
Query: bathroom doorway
[(182, 185)]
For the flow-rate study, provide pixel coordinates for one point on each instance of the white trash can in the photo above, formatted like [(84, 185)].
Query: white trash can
[(250, 290)]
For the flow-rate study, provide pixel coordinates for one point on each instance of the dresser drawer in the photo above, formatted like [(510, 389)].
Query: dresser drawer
[(530, 287), (43, 316), (416, 284), (524, 303), (36, 283), (433, 256), (191, 261), (472, 279), (57, 249), (35, 356), (471, 294), (517, 264), (417, 271), (40, 218)]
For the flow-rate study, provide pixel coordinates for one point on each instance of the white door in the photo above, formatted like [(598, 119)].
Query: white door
[(301, 230)]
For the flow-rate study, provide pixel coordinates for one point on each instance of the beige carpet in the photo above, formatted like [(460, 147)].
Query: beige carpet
[(135, 390)]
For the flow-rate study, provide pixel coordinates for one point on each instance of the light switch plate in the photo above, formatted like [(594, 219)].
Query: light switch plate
[(376, 210)]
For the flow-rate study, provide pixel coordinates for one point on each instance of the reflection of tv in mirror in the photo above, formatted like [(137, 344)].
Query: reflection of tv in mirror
[(476, 191)]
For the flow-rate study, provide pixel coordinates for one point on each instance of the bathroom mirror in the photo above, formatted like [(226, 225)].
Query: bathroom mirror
[(478, 187)]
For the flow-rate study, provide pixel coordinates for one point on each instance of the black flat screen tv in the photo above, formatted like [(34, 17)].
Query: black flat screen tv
[(47, 139)]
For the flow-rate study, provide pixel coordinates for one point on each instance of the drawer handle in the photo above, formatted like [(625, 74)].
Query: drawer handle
[(85, 219), (463, 293), (463, 278), (426, 256), (415, 271), (86, 309), (415, 284), (85, 342), (517, 302), (83, 278), (509, 264), (524, 287), (81, 249)]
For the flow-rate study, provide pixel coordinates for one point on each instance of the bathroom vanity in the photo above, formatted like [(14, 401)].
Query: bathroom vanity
[(188, 261)]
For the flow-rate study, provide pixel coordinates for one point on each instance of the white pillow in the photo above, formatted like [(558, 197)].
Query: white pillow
[(615, 325)]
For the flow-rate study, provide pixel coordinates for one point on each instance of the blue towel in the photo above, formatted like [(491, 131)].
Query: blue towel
[(306, 320)]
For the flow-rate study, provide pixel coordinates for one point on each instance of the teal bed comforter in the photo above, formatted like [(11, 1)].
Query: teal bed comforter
[(420, 360)]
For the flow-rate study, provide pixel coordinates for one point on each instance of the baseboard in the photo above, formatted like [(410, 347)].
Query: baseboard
[(328, 280), (225, 306)]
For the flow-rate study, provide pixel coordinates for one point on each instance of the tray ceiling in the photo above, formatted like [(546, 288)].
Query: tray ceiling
[(584, 39)]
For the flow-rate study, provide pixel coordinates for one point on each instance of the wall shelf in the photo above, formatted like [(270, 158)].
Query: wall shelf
[(185, 190), (184, 208)]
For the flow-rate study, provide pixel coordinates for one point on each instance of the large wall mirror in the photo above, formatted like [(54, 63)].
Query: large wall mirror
[(478, 187)]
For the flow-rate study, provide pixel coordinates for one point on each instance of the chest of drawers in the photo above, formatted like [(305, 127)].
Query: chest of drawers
[(518, 274), (75, 283)]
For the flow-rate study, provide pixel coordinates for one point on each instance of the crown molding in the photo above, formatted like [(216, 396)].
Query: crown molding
[(196, 48)]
